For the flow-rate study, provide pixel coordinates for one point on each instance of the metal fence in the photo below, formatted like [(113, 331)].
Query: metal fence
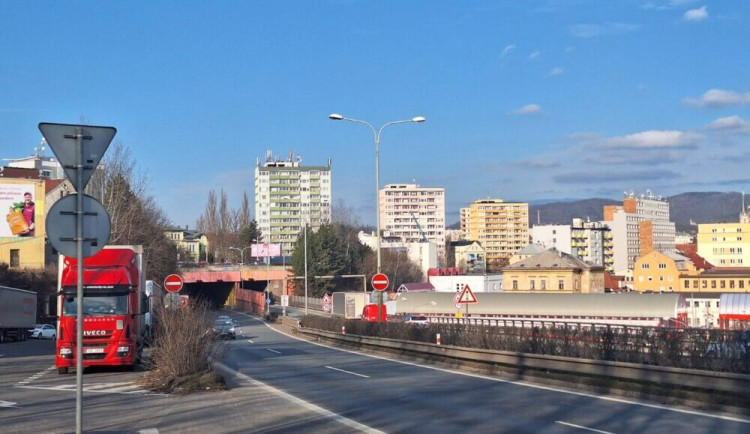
[(713, 350), (312, 303)]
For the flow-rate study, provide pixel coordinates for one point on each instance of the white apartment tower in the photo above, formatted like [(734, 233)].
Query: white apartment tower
[(413, 213), (640, 226), (588, 241), (289, 195)]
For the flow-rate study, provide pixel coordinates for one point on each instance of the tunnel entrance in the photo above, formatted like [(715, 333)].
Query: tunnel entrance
[(215, 293)]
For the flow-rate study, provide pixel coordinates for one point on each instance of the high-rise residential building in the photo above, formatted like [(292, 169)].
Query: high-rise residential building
[(288, 196), (640, 226), (588, 241), (502, 228), (413, 213)]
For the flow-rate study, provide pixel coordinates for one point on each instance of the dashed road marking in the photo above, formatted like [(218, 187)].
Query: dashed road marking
[(251, 341), (348, 372), (572, 425), (273, 351), (36, 376)]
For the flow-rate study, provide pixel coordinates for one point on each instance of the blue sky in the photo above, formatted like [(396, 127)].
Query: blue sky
[(524, 100)]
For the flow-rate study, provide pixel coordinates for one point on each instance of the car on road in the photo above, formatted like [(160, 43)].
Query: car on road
[(417, 319), (43, 331), (224, 328)]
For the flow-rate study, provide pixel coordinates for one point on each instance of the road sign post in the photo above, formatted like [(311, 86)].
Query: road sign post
[(466, 297), (78, 149), (173, 283), (380, 282)]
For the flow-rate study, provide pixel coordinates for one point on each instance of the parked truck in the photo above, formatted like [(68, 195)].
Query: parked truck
[(349, 304), (114, 308), (17, 313)]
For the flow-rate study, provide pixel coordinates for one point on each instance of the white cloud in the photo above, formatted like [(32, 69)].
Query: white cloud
[(699, 14), (534, 54), (556, 71), (507, 50), (528, 109), (594, 30), (730, 123), (719, 98), (653, 139)]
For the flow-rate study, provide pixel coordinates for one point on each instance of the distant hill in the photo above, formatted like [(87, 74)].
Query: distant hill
[(700, 207), (564, 212)]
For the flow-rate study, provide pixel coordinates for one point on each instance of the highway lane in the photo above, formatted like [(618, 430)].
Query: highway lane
[(397, 397)]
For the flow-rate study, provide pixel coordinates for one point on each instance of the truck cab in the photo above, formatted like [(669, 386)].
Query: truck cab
[(114, 304)]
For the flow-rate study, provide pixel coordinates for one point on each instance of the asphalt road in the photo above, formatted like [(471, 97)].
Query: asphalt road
[(35, 399), (284, 384), (379, 394)]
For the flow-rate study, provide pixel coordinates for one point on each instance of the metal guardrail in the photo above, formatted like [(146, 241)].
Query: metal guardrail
[(673, 377)]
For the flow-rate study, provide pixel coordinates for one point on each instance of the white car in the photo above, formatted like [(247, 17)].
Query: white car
[(43, 331)]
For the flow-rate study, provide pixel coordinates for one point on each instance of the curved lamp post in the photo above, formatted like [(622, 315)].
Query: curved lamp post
[(376, 133)]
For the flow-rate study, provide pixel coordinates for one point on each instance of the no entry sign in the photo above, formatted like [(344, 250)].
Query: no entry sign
[(173, 283), (380, 282)]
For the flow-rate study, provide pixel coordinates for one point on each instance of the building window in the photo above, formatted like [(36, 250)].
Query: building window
[(695, 283), (713, 284), (15, 258), (662, 266), (544, 284), (515, 284), (704, 285), (560, 284), (722, 284), (531, 283), (644, 266), (731, 284), (742, 284)]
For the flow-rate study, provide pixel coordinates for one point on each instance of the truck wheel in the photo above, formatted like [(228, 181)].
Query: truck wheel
[(62, 371)]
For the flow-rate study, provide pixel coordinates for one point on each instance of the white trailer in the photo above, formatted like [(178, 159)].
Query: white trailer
[(17, 313)]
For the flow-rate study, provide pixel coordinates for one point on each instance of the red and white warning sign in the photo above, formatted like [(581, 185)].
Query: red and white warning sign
[(466, 296)]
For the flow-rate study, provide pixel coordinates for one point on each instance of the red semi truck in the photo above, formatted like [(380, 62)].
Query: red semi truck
[(114, 308)]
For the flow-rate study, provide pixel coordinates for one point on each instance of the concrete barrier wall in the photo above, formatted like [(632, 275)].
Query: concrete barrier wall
[(672, 377)]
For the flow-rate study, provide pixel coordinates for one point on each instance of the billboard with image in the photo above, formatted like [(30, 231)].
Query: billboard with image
[(265, 250), (17, 204)]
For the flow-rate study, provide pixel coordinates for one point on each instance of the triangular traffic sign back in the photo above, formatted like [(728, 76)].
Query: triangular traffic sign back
[(466, 296), (62, 138)]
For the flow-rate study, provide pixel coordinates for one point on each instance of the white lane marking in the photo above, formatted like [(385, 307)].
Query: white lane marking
[(251, 341), (72, 388), (36, 376), (517, 383), (348, 372), (128, 388), (582, 427), (8, 404), (149, 431), (273, 351), (308, 405), (101, 386)]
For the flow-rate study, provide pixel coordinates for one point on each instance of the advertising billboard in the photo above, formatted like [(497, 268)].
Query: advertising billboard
[(17, 204), (265, 250)]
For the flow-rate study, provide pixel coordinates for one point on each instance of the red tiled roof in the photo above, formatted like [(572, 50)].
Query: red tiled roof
[(19, 172), (613, 282), (690, 252), (50, 184)]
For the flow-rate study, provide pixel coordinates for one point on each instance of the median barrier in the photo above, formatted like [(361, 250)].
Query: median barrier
[(737, 385)]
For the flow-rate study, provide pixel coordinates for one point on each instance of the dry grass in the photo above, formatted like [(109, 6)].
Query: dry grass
[(183, 344)]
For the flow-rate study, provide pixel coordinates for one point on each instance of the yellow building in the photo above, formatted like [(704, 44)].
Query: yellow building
[(22, 234), (717, 280), (725, 244), (661, 272), (192, 245), (502, 228), (553, 271)]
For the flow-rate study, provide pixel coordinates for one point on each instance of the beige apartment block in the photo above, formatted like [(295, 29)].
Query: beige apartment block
[(502, 228), (414, 213), (725, 244), (553, 271)]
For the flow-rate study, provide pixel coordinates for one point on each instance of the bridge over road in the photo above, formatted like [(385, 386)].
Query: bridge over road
[(218, 283)]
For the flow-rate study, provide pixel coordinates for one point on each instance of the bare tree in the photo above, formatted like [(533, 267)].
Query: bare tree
[(135, 216)]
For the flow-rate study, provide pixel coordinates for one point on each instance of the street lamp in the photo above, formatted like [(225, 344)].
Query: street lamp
[(376, 132), (242, 253)]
